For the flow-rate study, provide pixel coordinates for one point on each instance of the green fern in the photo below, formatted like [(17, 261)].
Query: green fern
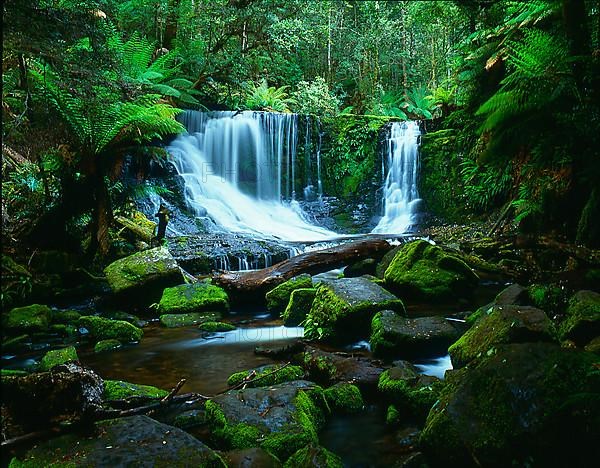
[(263, 97)]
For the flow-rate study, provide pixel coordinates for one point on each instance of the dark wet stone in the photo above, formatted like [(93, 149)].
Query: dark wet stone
[(251, 458)]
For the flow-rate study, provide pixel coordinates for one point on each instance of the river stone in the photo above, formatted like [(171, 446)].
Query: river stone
[(343, 308), (394, 335), (251, 458), (130, 441), (298, 307), (187, 320), (366, 266), (504, 324), (279, 297), (143, 275), (105, 329), (530, 404), (57, 357), (344, 397), (32, 318), (266, 375), (195, 297), (582, 322), (281, 418), (120, 390), (424, 271)]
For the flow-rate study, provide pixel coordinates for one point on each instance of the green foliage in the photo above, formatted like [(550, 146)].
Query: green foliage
[(265, 98), (315, 97), (418, 102)]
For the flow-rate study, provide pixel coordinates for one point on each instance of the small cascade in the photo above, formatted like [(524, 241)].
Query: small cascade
[(235, 166), (400, 196)]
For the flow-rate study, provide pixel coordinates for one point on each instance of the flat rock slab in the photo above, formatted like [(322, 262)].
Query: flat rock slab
[(133, 441), (361, 292)]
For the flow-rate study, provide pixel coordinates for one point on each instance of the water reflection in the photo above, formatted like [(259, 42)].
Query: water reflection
[(436, 367)]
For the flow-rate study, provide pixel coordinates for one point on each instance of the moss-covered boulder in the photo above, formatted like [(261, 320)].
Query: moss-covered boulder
[(366, 266), (119, 390), (130, 441), (504, 324), (301, 301), (57, 357), (187, 320), (214, 327), (107, 345), (398, 336), (195, 297), (281, 419), (393, 417), (531, 404), (32, 318), (343, 308), (106, 329), (270, 374), (278, 297), (411, 393), (551, 298), (344, 397), (314, 456), (64, 316), (425, 271), (582, 321), (143, 275)]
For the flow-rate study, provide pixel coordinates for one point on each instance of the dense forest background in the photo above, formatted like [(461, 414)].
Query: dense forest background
[(509, 90)]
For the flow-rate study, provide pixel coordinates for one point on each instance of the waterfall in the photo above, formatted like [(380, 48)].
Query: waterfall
[(400, 196), (233, 163)]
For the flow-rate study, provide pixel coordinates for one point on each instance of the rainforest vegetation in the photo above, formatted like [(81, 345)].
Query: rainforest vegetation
[(507, 94)]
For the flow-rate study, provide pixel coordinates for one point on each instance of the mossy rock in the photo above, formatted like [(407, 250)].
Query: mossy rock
[(281, 419), (582, 322), (314, 456), (119, 390), (279, 297), (214, 327), (189, 419), (593, 346), (13, 373), (58, 356), (344, 398), (343, 308), (504, 324), (64, 316), (366, 266), (143, 275), (301, 301), (270, 374), (187, 320), (251, 457), (424, 271), (196, 297), (530, 404), (393, 417), (548, 297), (106, 329), (138, 225), (32, 318), (394, 335), (107, 345)]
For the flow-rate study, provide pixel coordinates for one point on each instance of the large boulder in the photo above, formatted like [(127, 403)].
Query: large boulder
[(130, 441), (531, 404), (195, 297), (344, 397), (143, 275), (424, 271), (106, 329), (301, 301), (582, 322), (32, 318), (281, 418), (398, 336), (504, 324), (343, 308), (278, 297)]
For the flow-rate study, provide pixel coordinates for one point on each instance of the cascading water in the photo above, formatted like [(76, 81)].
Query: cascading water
[(233, 164), (401, 198)]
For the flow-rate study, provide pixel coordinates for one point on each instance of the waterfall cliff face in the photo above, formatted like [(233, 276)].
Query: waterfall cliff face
[(239, 170), (400, 196)]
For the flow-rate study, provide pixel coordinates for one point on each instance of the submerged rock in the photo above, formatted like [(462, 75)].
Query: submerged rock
[(504, 324), (196, 297), (279, 297), (213, 327), (106, 329), (32, 318), (343, 308), (107, 345), (394, 335), (130, 441), (263, 376), (119, 390), (187, 320), (530, 404), (314, 456), (425, 271), (582, 322), (57, 357), (301, 301), (344, 398)]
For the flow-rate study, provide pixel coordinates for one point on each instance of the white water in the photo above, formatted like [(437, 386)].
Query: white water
[(401, 198), (232, 165)]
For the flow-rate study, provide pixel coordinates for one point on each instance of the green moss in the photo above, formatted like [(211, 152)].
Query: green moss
[(267, 375), (479, 313), (107, 345), (106, 329), (299, 305), (214, 327), (392, 416), (314, 456), (119, 390), (415, 394), (344, 397), (549, 298), (582, 322), (189, 419), (320, 368), (57, 357), (64, 316), (13, 373), (187, 320), (279, 297), (196, 297), (33, 318)]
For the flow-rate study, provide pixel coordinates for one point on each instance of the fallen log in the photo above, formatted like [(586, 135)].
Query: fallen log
[(257, 283)]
